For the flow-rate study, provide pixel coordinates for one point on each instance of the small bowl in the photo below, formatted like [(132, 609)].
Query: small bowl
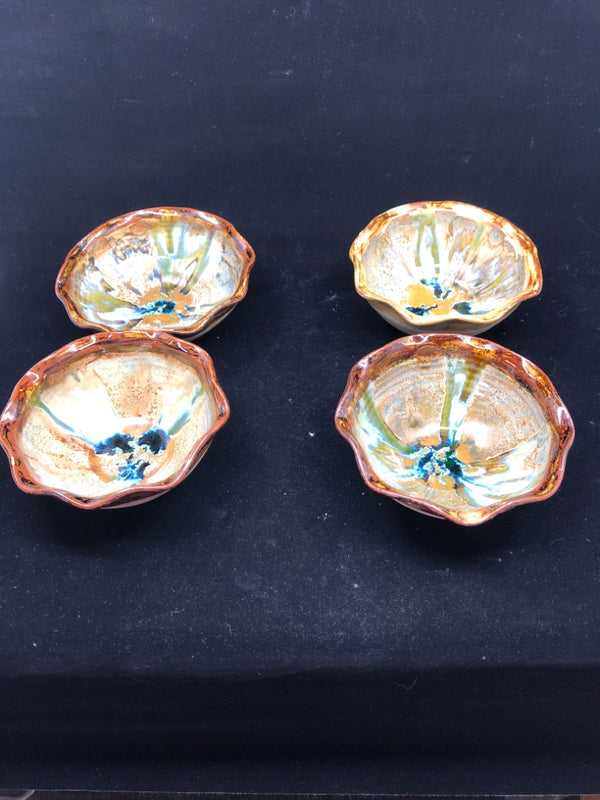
[(444, 266), (113, 419), (167, 269), (455, 427)]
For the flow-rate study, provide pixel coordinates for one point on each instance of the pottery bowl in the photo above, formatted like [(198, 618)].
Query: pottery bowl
[(112, 419), (455, 426), (171, 269), (444, 266)]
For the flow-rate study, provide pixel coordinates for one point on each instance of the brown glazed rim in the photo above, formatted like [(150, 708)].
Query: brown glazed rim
[(522, 370), (532, 261), (99, 342), (62, 280)]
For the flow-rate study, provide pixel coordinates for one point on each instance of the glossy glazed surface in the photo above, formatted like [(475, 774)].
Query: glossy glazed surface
[(455, 426), (171, 269), (444, 266), (112, 419)]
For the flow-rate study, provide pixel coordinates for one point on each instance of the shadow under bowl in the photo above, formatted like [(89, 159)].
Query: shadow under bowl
[(444, 267), (455, 427), (171, 269), (112, 419)]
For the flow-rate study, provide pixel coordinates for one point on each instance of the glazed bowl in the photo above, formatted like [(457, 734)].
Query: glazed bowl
[(455, 427), (444, 266), (167, 269), (112, 419)]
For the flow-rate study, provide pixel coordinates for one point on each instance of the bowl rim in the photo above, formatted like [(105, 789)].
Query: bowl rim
[(532, 262), (98, 343), (61, 286), (520, 368)]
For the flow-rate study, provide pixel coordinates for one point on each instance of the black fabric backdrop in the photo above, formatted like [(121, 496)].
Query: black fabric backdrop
[(271, 607)]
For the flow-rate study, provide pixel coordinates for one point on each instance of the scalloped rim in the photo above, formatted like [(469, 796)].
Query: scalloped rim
[(201, 326), (99, 342), (510, 362), (534, 270)]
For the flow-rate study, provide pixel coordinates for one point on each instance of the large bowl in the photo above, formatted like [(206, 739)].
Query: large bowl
[(444, 266), (112, 419), (455, 426), (170, 269)]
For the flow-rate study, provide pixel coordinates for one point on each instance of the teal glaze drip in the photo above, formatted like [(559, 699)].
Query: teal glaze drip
[(479, 483), (498, 478), (184, 417), (407, 462), (154, 440), (35, 400)]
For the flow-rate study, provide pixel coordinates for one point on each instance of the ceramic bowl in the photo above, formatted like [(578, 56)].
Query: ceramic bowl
[(171, 269), (112, 419), (455, 426), (444, 266)]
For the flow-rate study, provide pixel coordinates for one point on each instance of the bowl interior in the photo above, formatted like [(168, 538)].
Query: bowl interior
[(106, 421), (439, 261), (155, 270), (452, 430)]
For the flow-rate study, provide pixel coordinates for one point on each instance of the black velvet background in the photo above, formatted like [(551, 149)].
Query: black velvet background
[(271, 606)]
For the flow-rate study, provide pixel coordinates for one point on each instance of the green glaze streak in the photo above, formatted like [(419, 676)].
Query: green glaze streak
[(103, 302), (427, 221), (201, 262), (35, 400), (461, 379), (169, 237), (497, 282), (387, 435), (167, 254), (435, 250), (418, 247), (481, 226), (170, 272), (183, 418)]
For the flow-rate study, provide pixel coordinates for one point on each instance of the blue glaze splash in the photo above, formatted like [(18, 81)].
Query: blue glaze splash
[(157, 307), (479, 483), (462, 308), (437, 461), (130, 456), (439, 291), (118, 441), (423, 462), (152, 441), (133, 471), (421, 310)]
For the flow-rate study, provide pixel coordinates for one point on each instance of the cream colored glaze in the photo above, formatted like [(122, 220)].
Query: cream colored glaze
[(127, 391), (444, 267)]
